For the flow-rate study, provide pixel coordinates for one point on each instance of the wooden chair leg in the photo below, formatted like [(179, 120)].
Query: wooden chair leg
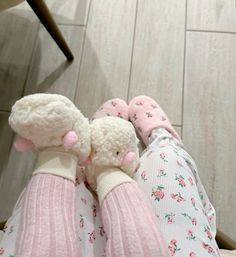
[(43, 13)]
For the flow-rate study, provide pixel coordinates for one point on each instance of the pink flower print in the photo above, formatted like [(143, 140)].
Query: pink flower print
[(190, 234), (149, 115), (143, 176), (139, 103), (158, 193), (113, 103), (83, 200), (134, 118), (81, 222), (194, 203), (170, 218), (92, 237), (163, 157), (172, 250), (179, 163), (177, 197), (1, 251), (210, 218), (194, 221), (119, 115), (204, 212), (173, 247), (154, 106), (208, 248), (161, 173), (101, 231), (173, 241), (208, 232), (94, 208), (180, 179), (192, 254), (190, 181), (139, 129)]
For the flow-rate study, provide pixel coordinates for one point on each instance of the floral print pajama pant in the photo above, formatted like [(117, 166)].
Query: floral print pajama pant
[(169, 177)]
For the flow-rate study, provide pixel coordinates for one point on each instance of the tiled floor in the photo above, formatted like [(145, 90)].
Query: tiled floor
[(182, 53)]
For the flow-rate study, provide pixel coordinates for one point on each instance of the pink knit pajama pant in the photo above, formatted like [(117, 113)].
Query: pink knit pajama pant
[(47, 226), (130, 224), (184, 214)]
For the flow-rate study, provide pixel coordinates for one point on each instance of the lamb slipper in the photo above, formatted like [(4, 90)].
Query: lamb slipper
[(146, 115), (115, 107)]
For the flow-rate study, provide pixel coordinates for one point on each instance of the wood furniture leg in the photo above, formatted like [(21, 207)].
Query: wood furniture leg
[(43, 13)]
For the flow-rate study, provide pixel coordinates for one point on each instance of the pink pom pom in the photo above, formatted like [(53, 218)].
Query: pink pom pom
[(86, 162), (129, 158), (23, 144), (70, 139)]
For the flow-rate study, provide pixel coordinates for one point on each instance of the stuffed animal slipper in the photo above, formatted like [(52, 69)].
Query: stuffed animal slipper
[(127, 218), (56, 129)]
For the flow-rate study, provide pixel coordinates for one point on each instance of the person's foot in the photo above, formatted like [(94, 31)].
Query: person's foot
[(115, 107), (146, 115)]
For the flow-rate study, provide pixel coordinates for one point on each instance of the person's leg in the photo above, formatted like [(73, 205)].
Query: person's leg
[(90, 229), (170, 179), (47, 225), (128, 220)]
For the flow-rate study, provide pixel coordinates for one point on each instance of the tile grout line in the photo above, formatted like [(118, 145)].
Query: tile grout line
[(30, 60), (87, 18), (210, 31), (132, 50), (82, 54), (184, 63)]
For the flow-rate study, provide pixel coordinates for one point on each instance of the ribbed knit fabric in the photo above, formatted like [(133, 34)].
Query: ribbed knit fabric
[(130, 224), (47, 227)]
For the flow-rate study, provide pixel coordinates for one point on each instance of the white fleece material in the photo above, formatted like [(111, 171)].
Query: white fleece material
[(110, 179), (56, 163), (45, 119), (112, 139)]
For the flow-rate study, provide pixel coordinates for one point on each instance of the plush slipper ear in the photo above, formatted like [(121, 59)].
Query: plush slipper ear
[(70, 139), (129, 158), (23, 144), (130, 163)]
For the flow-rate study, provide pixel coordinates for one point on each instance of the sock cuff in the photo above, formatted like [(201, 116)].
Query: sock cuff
[(56, 163), (110, 179)]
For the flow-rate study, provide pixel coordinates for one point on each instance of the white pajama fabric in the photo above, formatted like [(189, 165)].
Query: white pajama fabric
[(169, 177)]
